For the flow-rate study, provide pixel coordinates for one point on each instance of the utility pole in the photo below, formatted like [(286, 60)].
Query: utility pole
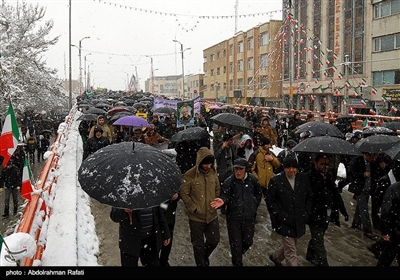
[(70, 67), (346, 91), (290, 57)]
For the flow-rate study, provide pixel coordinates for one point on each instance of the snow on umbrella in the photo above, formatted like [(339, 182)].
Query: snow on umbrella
[(376, 143), (130, 175), (378, 130), (97, 111), (394, 151), (117, 109), (119, 115), (231, 121), (320, 129), (327, 145), (165, 110), (393, 125), (191, 133), (87, 117), (132, 121)]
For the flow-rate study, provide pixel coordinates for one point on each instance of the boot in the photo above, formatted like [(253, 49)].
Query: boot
[(375, 248)]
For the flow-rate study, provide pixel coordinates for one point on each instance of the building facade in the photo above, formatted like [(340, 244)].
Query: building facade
[(343, 55), (238, 70)]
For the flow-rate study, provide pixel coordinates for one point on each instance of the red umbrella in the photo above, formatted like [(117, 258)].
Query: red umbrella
[(117, 109)]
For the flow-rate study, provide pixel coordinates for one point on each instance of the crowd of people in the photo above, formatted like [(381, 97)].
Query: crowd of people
[(232, 171)]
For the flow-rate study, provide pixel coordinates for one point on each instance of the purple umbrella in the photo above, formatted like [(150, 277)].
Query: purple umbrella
[(132, 121)]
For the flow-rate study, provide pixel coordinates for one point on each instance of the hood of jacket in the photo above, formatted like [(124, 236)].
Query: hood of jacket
[(202, 153)]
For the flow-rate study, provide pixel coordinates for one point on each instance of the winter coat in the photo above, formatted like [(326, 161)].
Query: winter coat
[(390, 218), (241, 197), (262, 169), (11, 177), (106, 131), (129, 233), (290, 207), (325, 195), (356, 175), (93, 144), (224, 158), (199, 188)]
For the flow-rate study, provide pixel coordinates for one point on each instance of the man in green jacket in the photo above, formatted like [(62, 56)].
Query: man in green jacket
[(199, 188)]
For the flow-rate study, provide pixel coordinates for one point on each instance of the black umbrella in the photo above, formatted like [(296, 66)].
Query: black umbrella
[(87, 117), (320, 129), (346, 118), (392, 125), (191, 133), (394, 151), (97, 111), (165, 110), (130, 175), (375, 130), (376, 143), (119, 115), (231, 121), (327, 145)]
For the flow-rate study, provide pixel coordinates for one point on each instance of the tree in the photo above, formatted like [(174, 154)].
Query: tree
[(24, 76)]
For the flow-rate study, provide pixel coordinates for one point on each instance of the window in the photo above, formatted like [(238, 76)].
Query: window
[(205, 59), (231, 67), (386, 8), (231, 50), (250, 63), (264, 60), (250, 83), (212, 58), (230, 85), (224, 53), (212, 72), (218, 71), (390, 77), (224, 69), (218, 55), (264, 82), (386, 43), (240, 47), (264, 39), (205, 73), (240, 83), (250, 43), (240, 66)]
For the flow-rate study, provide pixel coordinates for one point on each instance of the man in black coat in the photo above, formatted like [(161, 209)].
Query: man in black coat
[(241, 193), (326, 204), (288, 198), (12, 180), (142, 233), (364, 173)]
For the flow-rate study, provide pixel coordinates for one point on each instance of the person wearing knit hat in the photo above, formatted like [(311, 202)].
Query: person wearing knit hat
[(290, 162)]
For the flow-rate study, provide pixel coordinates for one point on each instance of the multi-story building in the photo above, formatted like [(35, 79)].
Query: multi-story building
[(341, 54), (170, 86), (238, 70)]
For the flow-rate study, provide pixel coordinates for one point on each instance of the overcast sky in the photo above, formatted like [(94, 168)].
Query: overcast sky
[(123, 33)]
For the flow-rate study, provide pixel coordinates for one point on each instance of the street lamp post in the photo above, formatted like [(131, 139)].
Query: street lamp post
[(152, 74), (183, 65), (80, 63), (85, 71), (88, 75)]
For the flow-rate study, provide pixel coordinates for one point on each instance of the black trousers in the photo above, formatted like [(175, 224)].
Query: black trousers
[(390, 251), (205, 238), (149, 256), (240, 234)]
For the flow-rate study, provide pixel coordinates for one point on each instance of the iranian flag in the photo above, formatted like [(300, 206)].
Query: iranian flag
[(27, 178), (347, 84), (374, 91), (340, 76), (384, 100), (9, 136), (366, 122), (363, 82), (363, 102), (372, 112), (393, 109)]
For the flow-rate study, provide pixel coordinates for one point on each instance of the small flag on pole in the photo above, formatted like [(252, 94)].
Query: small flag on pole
[(9, 136), (366, 122), (363, 82), (27, 178), (374, 91)]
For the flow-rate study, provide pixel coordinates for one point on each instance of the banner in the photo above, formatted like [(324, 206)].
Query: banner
[(161, 102)]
